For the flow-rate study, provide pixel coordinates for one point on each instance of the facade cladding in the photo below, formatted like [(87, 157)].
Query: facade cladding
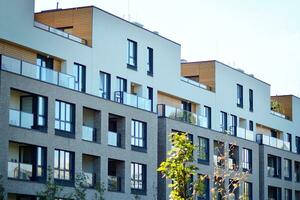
[(82, 90)]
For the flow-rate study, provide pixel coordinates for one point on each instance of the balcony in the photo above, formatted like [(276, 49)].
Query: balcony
[(21, 171), (272, 141), (90, 179), (279, 114), (133, 100), (20, 119), (245, 134), (195, 83), (114, 139), (37, 72), (59, 32), (114, 184), (89, 133), (182, 115)]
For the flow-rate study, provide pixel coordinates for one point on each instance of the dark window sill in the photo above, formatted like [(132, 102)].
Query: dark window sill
[(150, 73), (139, 149), (33, 180), (68, 183), (133, 67), (205, 162), (64, 134), (138, 192)]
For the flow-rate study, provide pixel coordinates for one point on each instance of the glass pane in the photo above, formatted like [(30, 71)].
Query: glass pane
[(67, 161), (56, 157), (62, 160), (68, 112), (56, 110), (62, 110), (57, 124)]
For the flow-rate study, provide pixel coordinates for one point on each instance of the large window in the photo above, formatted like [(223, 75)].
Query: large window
[(207, 115), (287, 166), (247, 160), (297, 141), (138, 134), (138, 177), (248, 191), (233, 125), (205, 190), (287, 194), (79, 73), (223, 121), (234, 189), (104, 88), (150, 96), (131, 54), (63, 165), (203, 150), (274, 166), (150, 61), (121, 84), (64, 116), (274, 193), (239, 96), (250, 100), (297, 172)]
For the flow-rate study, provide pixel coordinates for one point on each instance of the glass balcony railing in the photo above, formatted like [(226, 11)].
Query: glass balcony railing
[(21, 119), (182, 115), (21, 171), (114, 183), (245, 134), (37, 72), (88, 133), (272, 141), (195, 83), (133, 100), (90, 179), (59, 32), (114, 139)]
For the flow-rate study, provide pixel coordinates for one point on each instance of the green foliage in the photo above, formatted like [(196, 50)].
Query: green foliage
[(80, 187), (100, 189), (178, 168), (52, 190), (2, 191), (277, 106)]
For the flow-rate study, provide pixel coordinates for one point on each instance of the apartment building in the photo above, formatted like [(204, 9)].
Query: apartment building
[(84, 91)]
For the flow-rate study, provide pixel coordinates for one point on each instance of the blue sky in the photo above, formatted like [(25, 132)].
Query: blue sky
[(260, 37)]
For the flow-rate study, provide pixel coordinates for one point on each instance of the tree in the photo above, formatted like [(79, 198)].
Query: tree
[(276, 106), (100, 189), (225, 169), (2, 191), (178, 168), (52, 190), (80, 187)]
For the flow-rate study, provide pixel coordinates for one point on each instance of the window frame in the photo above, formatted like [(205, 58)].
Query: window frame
[(132, 54), (105, 92), (58, 167), (140, 179), (289, 168), (251, 102), (205, 150), (249, 191), (150, 61), (240, 94), (138, 137), (79, 72), (71, 121), (247, 160)]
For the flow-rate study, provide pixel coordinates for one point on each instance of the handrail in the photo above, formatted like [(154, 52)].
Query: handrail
[(59, 32), (133, 100)]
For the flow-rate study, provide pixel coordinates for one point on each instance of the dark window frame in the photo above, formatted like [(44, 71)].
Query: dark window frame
[(251, 109), (240, 94), (207, 113), (250, 190), (137, 137), (105, 92), (247, 160), (150, 61), (60, 168), (150, 96), (62, 131), (223, 121), (80, 70), (132, 54), (205, 149), (288, 178), (140, 180)]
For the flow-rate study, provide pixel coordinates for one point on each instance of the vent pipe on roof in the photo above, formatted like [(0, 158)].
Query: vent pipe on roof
[(138, 24)]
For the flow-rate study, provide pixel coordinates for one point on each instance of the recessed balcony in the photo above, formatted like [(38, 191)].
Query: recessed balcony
[(133, 100), (116, 172), (116, 131), (182, 115), (91, 125), (272, 141), (30, 70)]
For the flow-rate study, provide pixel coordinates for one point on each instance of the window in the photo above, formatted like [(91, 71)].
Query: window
[(203, 150), (41, 160), (205, 190), (274, 166), (239, 96), (287, 194), (150, 61), (234, 189), (138, 177), (63, 165), (219, 187), (247, 160), (251, 125), (138, 134), (64, 116), (288, 139), (233, 127), (79, 74), (219, 153), (41, 117), (297, 172), (233, 161), (104, 85), (223, 121), (132, 54), (150, 96), (287, 169), (248, 191), (297, 141), (274, 193), (207, 115), (121, 84), (250, 100)]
